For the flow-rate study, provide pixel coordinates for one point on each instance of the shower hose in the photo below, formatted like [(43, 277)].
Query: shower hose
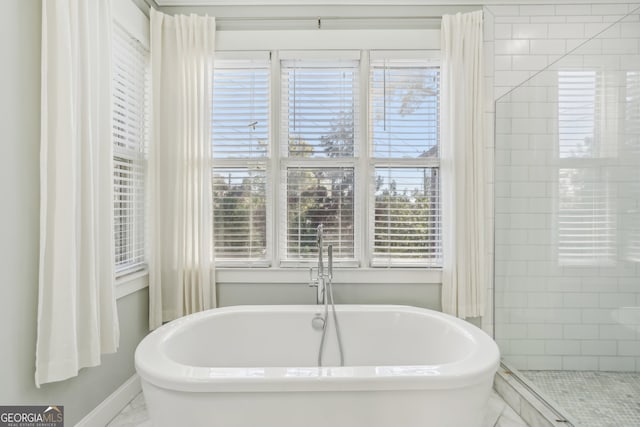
[(326, 324)]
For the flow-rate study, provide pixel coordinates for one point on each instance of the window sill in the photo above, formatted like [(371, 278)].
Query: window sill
[(135, 282), (126, 285), (421, 276)]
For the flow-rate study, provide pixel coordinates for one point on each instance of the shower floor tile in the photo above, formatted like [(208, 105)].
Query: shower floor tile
[(592, 399), (499, 414)]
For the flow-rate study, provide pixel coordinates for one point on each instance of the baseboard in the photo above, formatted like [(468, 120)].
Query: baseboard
[(113, 404)]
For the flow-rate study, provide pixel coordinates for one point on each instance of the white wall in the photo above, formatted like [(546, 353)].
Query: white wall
[(549, 315), (19, 224)]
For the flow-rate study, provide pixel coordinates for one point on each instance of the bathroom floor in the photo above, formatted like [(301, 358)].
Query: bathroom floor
[(593, 399), (499, 414)]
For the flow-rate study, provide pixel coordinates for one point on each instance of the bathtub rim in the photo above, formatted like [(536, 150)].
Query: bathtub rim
[(479, 365)]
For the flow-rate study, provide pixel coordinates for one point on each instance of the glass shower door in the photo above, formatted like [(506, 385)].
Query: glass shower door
[(567, 229)]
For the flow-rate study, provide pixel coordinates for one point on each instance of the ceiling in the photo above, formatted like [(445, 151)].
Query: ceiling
[(366, 2)]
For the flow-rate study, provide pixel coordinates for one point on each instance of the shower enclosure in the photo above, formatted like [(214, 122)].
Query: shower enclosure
[(567, 230)]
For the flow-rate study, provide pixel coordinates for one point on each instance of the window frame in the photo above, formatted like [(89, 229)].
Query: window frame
[(249, 162), (135, 24), (310, 44), (287, 162), (430, 59)]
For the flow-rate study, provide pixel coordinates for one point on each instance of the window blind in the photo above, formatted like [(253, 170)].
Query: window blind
[(319, 116), (404, 104), (632, 111), (319, 108), (318, 169), (632, 145), (239, 210), (631, 218), (240, 114), (407, 216), (130, 133), (405, 189), (240, 146), (586, 219), (576, 113), (319, 195)]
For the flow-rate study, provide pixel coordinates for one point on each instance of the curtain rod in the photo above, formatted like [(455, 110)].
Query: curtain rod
[(152, 4), (321, 18)]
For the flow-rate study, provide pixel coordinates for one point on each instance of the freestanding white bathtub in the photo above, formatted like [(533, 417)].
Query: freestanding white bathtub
[(256, 366)]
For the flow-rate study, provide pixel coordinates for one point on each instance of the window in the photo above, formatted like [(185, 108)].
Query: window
[(576, 113), (586, 220), (240, 144), (404, 133), (318, 148), (631, 191), (130, 133), (307, 154)]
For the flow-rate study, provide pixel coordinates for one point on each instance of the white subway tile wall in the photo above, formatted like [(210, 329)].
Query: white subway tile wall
[(544, 31), (559, 304)]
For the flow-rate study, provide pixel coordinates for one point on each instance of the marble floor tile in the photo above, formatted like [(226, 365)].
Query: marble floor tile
[(495, 408), (133, 415), (592, 399), (508, 418)]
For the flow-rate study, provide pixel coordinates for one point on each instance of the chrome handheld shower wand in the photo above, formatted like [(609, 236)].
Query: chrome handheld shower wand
[(325, 294)]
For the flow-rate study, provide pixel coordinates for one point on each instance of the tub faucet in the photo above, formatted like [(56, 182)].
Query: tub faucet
[(320, 237), (324, 284), (320, 281), (317, 283)]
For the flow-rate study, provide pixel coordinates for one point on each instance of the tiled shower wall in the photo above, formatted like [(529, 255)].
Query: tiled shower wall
[(522, 40), (550, 315)]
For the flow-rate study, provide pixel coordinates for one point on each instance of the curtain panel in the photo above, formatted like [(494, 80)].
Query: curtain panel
[(182, 279), (77, 314), (463, 166)]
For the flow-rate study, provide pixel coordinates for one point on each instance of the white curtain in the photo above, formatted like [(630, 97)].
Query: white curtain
[(181, 259), (463, 166), (77, 316)]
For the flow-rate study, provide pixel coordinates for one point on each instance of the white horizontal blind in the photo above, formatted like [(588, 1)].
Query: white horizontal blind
[(631, 217), (319, 195), (240, 146), (130, 134), (576, 113), (320, 112), (632, 112), (586, 218), (405, 189), (239, 210), (407, 216), (632, 146), (319, 108), (586, 223), (404, 102), (240, 115)]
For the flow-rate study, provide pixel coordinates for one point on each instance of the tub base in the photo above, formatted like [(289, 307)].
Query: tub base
[(381, 408)]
